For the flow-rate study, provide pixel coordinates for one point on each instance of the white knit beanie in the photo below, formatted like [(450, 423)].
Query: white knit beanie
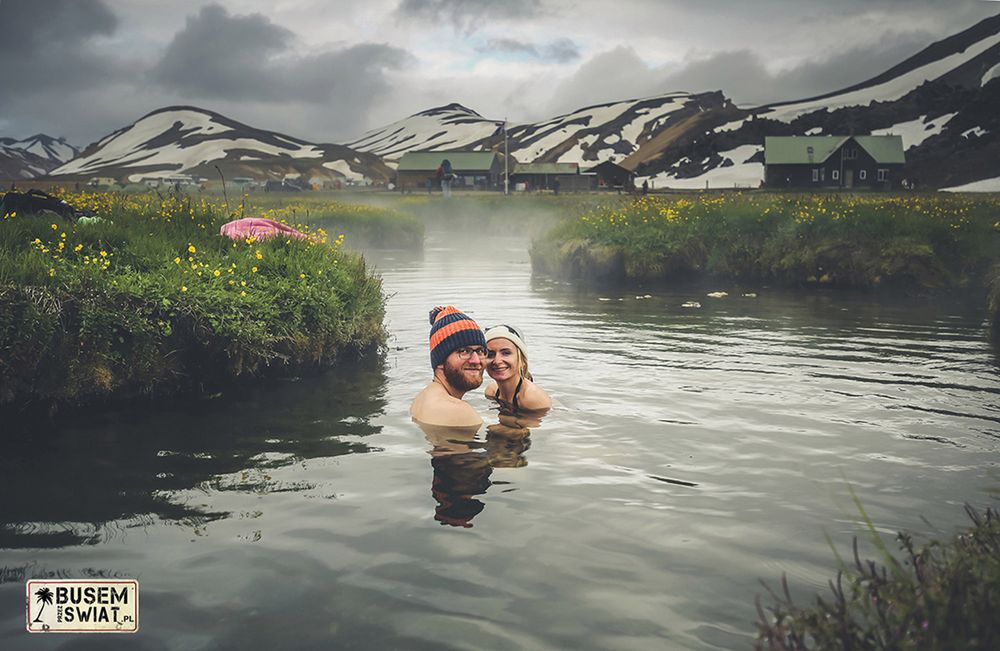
[(507, 332)]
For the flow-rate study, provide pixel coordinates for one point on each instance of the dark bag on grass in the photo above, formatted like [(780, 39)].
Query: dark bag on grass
[(34, 202)]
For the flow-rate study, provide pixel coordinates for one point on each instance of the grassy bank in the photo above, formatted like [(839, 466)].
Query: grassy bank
[(941, 595), (363, 226), (849, 240), (152, 300), (993, 300)]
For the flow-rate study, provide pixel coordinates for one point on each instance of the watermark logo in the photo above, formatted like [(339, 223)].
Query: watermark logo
[(92, 606)]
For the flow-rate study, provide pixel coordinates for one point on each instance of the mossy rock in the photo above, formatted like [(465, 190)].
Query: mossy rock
[(583, 260), (993, 300)]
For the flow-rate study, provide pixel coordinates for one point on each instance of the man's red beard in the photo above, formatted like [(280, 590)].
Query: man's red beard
[(457, 376)]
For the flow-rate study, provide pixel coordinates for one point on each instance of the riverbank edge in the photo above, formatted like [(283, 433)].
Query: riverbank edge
[(589, 264), (161, 348), (941, 595), (993, 301)]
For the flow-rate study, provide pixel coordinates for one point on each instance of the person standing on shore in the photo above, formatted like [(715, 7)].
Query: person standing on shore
[(458, 359)]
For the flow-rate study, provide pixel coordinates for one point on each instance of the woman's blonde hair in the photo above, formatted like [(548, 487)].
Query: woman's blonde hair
[(524, 365)]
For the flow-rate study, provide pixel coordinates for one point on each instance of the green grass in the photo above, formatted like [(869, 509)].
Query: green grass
[(363, 225), (154, 300), (940, 596), (993, 299), (850, 240)]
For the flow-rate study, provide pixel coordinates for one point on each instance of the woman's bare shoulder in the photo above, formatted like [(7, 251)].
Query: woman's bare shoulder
[(534, 397)]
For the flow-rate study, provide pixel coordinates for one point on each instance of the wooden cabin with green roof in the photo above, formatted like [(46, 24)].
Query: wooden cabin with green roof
[(551, 176), (834, 162), (418, 170)]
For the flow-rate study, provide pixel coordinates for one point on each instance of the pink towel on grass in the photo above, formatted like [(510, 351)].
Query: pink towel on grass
[(259, 228)]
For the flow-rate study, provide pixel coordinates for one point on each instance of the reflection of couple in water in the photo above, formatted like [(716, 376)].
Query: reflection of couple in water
[(460, 353)]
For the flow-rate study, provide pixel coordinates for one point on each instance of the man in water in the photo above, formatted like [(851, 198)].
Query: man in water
[(458, 357)]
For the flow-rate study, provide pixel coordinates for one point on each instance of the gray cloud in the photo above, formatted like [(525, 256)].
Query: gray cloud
[(744, 78), (51, 42), (466, 14), (82, 68), (559, 51), (613, 75), (218, 55), (741, 75)]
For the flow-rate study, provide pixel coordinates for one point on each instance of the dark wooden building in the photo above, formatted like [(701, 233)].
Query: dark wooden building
[(827, 162), (557, 177), (611, 176), (474, 169)]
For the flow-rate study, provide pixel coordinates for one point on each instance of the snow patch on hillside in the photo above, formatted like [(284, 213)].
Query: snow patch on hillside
[(587, 118), (342, 167), (178, 158), (985, 185), (914, 132), (890, 90), (740, 174), (652, 118), (453, 129), (730, 126), (130, 146), (990, 74)]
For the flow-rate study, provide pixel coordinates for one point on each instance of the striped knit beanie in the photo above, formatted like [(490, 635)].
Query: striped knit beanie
[(451, 329)]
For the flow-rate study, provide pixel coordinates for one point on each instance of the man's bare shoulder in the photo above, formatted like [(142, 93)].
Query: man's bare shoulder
[(435, 407)]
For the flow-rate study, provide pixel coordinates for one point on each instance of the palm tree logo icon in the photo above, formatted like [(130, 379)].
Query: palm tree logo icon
[(44, 597)]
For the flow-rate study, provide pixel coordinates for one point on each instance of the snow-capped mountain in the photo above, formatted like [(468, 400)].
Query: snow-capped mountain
[(943, 101), (588, 136), (188, 140), (445, 127), (33, 156)]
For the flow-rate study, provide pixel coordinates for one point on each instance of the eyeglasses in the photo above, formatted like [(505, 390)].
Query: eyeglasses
[(466, 353)]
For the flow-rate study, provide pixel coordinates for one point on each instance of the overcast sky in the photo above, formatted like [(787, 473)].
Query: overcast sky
[(327, 70)]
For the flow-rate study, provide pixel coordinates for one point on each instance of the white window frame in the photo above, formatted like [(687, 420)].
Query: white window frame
[(835, 175), (815, 175), (883, 174), (862, 175)]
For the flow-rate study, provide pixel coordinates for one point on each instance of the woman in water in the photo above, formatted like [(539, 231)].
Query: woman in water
[(507, 364)]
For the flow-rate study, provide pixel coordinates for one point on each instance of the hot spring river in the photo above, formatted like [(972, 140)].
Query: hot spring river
[(691, 452)]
